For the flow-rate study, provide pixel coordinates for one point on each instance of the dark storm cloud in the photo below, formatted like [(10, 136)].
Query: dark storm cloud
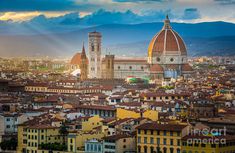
[(191, 13), (101, 17), (225, 2), (41, 5)]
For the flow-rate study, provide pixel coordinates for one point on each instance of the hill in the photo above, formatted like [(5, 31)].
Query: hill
[(209, 38)]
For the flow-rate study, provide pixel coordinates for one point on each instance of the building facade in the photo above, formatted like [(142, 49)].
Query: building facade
[(108, 67), (124, 68), (165, 138), (167, 58)]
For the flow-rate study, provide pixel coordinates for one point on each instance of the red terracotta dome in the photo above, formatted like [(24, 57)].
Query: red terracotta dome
[(77, 59), (186, 67), (156, 68), (167, 42)]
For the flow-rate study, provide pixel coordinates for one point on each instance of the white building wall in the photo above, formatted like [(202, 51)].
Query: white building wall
[(125, 69)]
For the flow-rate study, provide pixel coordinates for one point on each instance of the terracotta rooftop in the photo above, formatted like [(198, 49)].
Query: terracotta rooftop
[(99, 107), (116, 137), (161, 127)]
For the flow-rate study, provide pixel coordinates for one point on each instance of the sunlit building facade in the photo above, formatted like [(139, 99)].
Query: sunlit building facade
[(167, 58)]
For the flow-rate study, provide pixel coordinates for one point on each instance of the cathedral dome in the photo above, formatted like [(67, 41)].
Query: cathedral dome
[(166, 42), (77, 59)]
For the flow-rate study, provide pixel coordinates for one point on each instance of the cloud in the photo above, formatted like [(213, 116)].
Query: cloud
[(107, 17), (23, 16), (42, 5), (191, 14), (102, 16), (225, 2), (116, 17)]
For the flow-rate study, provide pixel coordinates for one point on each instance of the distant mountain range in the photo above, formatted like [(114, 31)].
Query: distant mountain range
[(209, 38)]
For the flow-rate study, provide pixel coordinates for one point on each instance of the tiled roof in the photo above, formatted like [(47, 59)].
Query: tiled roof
[(162, 127)]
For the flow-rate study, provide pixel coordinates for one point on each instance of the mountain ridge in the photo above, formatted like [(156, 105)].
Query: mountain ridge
[(205, 37)]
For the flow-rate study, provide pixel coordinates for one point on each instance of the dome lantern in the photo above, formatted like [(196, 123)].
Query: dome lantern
[(167, 23)]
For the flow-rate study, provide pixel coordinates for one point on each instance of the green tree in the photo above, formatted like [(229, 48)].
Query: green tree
[(64, 132), (9, 144)]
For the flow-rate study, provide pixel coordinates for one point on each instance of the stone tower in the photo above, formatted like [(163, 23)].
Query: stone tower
[(94, 45), (84, 64), (108, 67)]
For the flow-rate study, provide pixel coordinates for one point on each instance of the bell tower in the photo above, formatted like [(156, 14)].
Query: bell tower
[(94, 44)]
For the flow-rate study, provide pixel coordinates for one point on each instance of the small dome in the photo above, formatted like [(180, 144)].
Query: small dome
[(156, 68), (166, 42), (77, 59), (186, 67)]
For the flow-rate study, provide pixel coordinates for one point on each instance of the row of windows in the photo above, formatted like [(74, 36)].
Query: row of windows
[(32, 137), (171, 59), (32, 151), (166, 97), (34, 130), (158, 141), (109, 147), (97, 112), (157, 149), (9, 126), (8, 119), (93, 147), (130, 67), (165, 133), (32, 144)]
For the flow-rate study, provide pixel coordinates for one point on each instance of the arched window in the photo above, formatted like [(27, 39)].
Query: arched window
[(92, 47), (145, 149), (139, 149), (152, 149), (171, 150), (178, 150), (164, 150)]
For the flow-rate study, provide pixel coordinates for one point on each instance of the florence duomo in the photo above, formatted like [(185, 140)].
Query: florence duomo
[(117, 76), (167, 58)]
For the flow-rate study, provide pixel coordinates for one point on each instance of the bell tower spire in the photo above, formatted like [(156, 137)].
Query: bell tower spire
[(83, 50)]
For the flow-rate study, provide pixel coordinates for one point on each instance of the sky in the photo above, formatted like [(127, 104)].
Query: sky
[(148, 10)]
